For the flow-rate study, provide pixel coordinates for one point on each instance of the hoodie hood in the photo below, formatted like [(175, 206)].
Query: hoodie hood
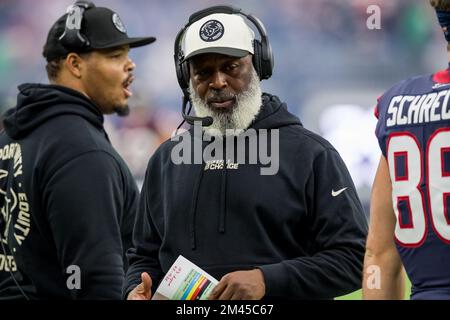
[(274, 114), (37, 103)]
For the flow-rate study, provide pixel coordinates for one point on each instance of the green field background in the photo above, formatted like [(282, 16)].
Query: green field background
[(357, 295)]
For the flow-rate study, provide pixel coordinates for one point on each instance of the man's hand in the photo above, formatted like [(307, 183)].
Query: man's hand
[(143, 291), (240, 285)]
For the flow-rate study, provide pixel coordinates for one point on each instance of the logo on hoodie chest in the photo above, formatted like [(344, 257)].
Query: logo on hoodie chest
[(256, 147), (218, 165)]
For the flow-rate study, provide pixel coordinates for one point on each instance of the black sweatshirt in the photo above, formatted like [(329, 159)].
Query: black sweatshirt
[(298, 226), (70, 199)]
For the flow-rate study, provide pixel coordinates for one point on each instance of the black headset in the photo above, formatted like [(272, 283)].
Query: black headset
[(263, 60), (72, 36)]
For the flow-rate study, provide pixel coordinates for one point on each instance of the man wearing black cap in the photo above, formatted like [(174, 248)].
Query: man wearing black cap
[(67, 198), (294, 232), (410, 205)]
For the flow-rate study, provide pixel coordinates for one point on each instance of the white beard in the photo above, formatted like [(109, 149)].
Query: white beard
[(248, 105)]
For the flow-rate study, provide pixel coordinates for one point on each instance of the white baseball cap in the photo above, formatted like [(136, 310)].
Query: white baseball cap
[(219, 33)]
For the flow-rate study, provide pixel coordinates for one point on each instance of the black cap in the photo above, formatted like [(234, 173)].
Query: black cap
[(101, 28)]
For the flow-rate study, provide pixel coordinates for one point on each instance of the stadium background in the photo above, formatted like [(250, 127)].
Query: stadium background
[(329, 67)]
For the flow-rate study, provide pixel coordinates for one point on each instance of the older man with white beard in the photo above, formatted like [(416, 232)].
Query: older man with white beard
[(296, 234)]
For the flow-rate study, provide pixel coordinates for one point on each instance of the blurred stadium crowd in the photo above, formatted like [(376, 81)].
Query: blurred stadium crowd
[(329, 67)]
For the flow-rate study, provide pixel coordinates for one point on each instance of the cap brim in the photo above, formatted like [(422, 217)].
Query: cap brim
[(238, 53), (139, 42), (132, 42)]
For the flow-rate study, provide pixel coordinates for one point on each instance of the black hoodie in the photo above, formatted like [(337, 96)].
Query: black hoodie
[(68, 199), (300, 226)]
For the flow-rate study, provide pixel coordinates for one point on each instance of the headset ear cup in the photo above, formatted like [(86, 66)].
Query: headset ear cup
[(267, 64), (182, 69), (257, 57), (185, 73), (263, 60), (179, 73)]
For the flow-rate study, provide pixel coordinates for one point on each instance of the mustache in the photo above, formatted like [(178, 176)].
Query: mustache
[(219, 96)]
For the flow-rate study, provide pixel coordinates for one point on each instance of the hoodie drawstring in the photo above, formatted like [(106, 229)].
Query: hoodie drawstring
[(223, 198), (193, 210), (223, 191), (222, 205)]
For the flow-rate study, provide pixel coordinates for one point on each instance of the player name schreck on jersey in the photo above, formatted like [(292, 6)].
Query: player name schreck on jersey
[(409, 109)]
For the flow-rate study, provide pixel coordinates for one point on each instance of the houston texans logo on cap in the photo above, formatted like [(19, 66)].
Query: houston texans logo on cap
[(118, 23), (211, 30)]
